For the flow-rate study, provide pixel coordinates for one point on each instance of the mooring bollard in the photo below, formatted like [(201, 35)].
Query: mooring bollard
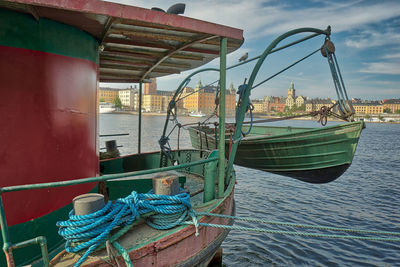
[(111, 146), (88, 203), (166, 183)]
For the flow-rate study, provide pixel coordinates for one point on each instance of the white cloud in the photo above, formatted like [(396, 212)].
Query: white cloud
[(391, 56), (260, 18), (265, 17), (391, 68), (373, 38)]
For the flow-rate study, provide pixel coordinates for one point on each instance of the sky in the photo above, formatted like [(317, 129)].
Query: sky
[(366, 35)]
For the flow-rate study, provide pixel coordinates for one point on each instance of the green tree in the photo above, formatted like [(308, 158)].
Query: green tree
[(117, 102), (102, 99), (302, 107), (398, 111), (367, 116), (381, 118), (387, 110)]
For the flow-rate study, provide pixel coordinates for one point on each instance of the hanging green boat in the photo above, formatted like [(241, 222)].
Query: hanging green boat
[(314, 155)]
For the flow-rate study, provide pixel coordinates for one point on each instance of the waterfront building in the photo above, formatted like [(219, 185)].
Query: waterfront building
[(292, 91), (155, 100), (317, 104), (230, 100), (368, 108), (392, 104), (277, 104), (259, 106), (202, 99), (107, 94), (290, 102), (152, 103), (300, 100), (151, 87), (127, 97)]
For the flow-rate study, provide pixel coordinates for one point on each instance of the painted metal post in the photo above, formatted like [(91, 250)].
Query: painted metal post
[(222, 91), (210, 176), (6, 237), (140, 118)]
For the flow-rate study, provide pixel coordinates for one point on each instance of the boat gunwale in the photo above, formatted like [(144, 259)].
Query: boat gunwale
[(187, 230), (328, 129), (351, 127)]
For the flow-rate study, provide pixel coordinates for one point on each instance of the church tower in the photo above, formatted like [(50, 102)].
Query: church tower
[(199, 85), (292, 91)]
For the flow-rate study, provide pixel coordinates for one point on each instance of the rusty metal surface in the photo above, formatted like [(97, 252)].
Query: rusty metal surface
[(136, 43)]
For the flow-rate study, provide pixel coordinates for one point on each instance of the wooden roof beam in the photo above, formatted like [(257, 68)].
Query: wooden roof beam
[(171, 53)]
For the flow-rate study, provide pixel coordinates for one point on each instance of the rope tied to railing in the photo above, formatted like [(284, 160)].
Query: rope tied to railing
[(395, 235), (92, 230), (249, 107)]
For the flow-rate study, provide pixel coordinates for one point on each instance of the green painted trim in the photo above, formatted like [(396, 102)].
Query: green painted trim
[(222, 90), (23, 31)]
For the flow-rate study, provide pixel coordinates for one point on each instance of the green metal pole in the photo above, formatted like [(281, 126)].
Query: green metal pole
[(40, 240), (140, 119), (210, 176), (7, 245), (222, 91), (99, 178), (3, 225)]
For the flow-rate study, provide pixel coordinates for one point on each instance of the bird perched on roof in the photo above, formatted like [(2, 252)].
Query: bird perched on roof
[(244, 57)]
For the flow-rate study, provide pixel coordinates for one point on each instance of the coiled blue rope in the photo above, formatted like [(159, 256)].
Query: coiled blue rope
[(91, 230)]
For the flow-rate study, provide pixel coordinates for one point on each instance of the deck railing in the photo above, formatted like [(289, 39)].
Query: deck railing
[(8, 246)]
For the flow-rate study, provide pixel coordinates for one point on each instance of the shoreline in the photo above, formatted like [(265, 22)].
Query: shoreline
[(254, 116)]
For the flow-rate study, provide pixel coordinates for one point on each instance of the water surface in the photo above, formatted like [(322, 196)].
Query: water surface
[(366, 196)]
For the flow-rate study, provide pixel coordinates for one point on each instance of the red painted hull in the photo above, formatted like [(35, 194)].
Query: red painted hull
[(180, 248), (47, 127), (183, 247)]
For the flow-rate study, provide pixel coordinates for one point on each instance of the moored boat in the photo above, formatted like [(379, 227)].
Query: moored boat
[(315, 155), (196, 114), (106, 107), (63, 50)]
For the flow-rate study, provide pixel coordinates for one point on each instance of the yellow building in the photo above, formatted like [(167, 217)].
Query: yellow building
[(202, 100), (108, 94), (152, 103), (258, 106), (368, 108), (317, 104), (300, 101), (392, 104), (290, 102)]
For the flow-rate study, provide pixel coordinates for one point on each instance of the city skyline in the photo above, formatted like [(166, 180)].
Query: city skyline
[(364, 33)]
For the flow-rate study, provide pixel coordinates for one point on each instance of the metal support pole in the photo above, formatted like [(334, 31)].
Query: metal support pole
[(140, 118), (7, 245), (222, 90)]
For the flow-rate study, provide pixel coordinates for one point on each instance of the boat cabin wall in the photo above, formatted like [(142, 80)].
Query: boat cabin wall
[(48, 73)]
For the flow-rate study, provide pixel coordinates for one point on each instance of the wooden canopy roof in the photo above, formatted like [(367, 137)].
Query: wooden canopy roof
[(136, 43)]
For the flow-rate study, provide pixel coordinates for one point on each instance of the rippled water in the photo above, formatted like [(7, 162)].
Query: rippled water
[(366, 196)]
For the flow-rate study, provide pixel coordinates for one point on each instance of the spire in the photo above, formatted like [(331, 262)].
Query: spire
[(199, 85), (231, 86), (291, 91)]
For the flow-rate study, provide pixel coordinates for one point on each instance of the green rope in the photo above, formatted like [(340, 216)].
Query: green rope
[(320, 227), (124, 254), (256, 229)]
